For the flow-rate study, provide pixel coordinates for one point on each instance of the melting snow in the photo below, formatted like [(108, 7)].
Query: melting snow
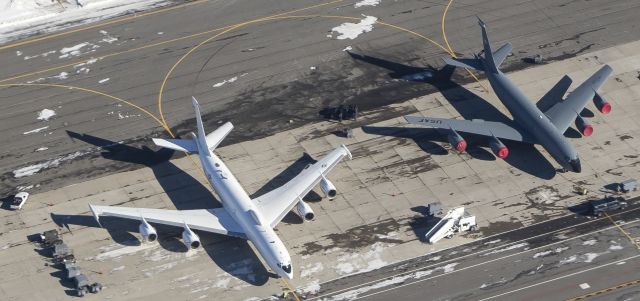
[(353, 30), (311, 288), (73, 50), (127, 250), (45, 114), (233, 79), (62, 75), (44, 54), (26, 17), (589, 242), (367, 3), (615, 247), (311, 269), (554, 251), (509, 248), (36, 131), (33, 169)]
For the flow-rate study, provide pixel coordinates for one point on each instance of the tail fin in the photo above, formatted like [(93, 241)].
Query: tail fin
[(489, 62), (201, 136), (214, 138)]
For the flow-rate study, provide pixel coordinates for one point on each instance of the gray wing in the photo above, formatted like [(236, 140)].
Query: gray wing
[(476, 126), (275, 204), (216, 220), (565, 112)]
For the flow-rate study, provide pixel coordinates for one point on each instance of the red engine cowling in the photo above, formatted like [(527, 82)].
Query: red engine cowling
[(603, 106), (498, 148), (583, 126), (456, 141)]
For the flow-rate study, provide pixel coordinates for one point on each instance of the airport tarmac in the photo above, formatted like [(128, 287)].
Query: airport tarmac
[(376, 220), (265, 76)]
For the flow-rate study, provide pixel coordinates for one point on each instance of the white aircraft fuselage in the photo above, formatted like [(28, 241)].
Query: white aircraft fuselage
[(236, 200)]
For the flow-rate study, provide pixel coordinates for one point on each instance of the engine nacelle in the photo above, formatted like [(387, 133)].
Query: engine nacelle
[(457, 141), (190, 238), (328, 189), (603, 106), (304, 211), (583, 126), (498, 148), (147, 231)]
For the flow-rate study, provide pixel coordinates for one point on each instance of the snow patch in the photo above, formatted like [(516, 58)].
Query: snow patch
[(33, 169), (509, 248), (104, 80), (35, 130), (554, 251), (589, 242), (119, 252), (311, 269), (348, 48), (312, 287), (45, 114), (19, 19), (366, 3), (615, 247), (233, 79), (353, 30)]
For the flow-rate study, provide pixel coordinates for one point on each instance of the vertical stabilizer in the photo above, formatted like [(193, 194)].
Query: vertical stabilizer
[(201, 136), (489, 63)]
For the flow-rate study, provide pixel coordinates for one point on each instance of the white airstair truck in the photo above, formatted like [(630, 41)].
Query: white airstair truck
[(456, 220)]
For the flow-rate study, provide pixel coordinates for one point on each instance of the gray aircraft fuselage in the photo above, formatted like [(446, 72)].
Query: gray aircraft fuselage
[(530, 118)]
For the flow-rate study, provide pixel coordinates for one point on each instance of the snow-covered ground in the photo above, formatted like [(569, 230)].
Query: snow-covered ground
[(21, 18)]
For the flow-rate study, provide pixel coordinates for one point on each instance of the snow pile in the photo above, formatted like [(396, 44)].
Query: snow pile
[(353, 30), (45, 114), (22, 18), (33, 169), (366, 3)]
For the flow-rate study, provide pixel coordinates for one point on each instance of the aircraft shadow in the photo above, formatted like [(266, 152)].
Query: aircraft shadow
[(186, 193), (522, 156), (285, 176)]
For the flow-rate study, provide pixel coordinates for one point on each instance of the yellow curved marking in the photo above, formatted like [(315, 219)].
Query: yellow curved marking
[(89, 91), (232, 27), (453, 53), (444, 35), (194, 48), (119, 20)]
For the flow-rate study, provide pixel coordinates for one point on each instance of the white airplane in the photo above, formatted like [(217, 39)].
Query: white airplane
[(241, 216)]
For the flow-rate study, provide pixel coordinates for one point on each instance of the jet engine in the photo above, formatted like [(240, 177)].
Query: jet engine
[(498, 148), (304, 211), (190, 239), (603, 106), (328, 189), (147, 231), (583, 126), (456, 141)]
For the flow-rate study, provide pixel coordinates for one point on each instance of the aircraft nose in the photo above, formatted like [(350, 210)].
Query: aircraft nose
[(575, 165)]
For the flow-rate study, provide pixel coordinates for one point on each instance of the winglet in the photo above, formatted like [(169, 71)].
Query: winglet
[(96, 214), (347, 150)]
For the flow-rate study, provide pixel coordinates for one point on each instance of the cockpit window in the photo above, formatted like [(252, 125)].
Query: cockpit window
[(287, 268)]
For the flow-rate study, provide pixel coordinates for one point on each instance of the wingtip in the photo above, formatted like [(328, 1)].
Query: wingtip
[(348, 151), (481, 23), (96, 214)]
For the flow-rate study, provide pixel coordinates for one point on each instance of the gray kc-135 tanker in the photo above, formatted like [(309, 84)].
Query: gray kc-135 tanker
[(531, 123)]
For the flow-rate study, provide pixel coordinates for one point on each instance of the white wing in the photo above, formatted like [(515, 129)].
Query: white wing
[(275, 204), (215, 220)]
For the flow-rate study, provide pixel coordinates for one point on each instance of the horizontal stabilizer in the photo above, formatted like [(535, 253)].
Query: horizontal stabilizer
[(214, 138), (182, 145), (474, 64), (501, 54)]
